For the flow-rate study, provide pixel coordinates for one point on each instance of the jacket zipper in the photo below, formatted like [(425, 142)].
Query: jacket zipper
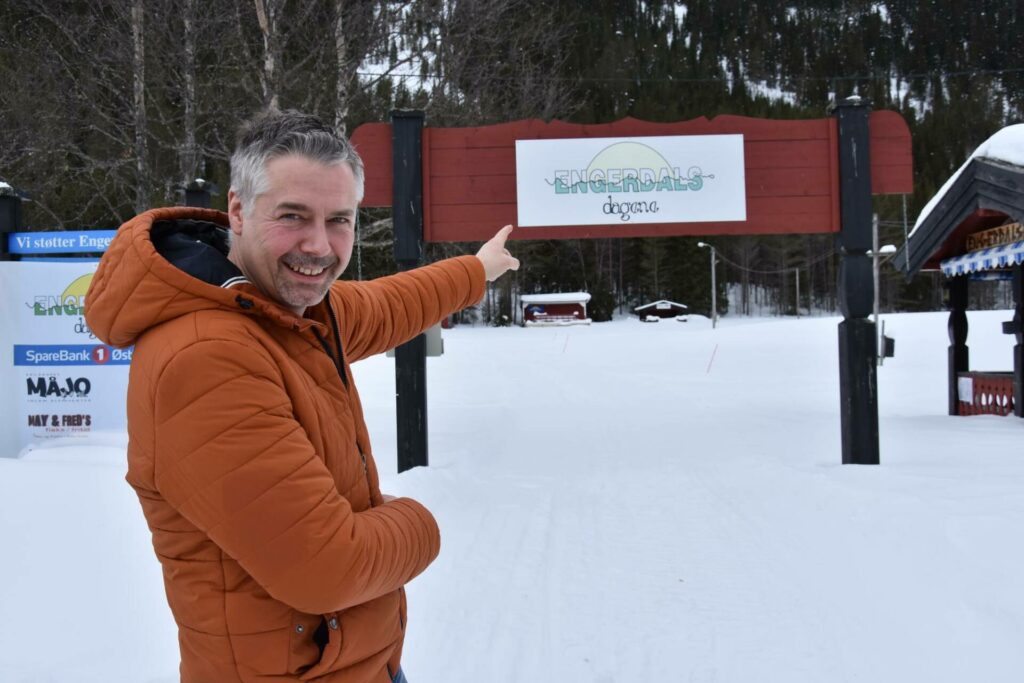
[(366, 470), (339, 363), (339, 359)]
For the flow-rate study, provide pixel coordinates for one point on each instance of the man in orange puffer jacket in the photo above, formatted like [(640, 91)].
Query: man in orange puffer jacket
[(282, 560)]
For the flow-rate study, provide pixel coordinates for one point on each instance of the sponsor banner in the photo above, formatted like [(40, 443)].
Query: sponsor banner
[(601, 181), (61, 380), (84, 242), (70, 354)]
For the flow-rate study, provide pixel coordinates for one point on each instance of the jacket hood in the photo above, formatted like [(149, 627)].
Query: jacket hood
[(166, 263)]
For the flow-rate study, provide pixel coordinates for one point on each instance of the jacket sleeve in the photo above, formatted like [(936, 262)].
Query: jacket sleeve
[(381, 314), (231, 458)]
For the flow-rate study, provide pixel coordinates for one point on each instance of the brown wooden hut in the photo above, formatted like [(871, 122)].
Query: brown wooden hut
[(973, 230)]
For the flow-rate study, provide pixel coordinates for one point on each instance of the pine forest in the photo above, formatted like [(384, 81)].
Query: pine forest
[(110, 107)]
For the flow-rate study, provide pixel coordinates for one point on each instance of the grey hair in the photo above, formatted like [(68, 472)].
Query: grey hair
[(274, 133)]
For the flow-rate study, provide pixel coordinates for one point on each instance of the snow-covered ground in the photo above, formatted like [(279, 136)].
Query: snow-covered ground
[(622, 502)]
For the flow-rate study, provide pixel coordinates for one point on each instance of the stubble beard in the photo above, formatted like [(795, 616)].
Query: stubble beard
[(304, 295)]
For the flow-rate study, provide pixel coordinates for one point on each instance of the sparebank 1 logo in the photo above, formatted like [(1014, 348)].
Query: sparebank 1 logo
[(629, 168), (69, 303)]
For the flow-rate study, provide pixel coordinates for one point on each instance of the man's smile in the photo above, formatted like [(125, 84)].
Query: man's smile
[(309, 271)]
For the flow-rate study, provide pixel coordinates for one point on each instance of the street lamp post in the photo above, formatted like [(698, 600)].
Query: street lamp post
[(878, 257), (714, 288)]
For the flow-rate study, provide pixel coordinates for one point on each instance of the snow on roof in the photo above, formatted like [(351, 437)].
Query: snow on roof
[(1006, 145), (660, 301), (563, 298)]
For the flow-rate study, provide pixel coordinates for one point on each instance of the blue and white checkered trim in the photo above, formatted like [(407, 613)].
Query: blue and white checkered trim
[(1003, 256)]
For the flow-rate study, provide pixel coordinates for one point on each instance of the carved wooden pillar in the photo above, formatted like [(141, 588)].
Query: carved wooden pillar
[(411, 357), (858, 343), (958, 353), (1016, 327)]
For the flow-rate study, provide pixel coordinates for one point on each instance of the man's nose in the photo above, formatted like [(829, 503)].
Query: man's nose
[(315, 239)]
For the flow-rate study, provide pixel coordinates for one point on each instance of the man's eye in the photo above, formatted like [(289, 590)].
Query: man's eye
[(290, 217)]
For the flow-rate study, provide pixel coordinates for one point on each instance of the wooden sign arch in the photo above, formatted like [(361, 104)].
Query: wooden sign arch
[(792, 174), (800, 176)]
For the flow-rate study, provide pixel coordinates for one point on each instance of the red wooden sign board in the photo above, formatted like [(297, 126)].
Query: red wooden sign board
[(792, 174)]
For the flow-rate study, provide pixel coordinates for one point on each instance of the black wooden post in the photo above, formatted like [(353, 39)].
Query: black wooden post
[(858, 343), (197, 193), (959, 357), (10, 218), (411, 357), (1016, 327)]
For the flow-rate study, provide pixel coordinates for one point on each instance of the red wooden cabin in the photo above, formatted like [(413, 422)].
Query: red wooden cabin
[(568, 308)]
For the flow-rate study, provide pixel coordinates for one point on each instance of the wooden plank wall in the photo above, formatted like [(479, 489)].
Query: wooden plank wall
[(791, 174)]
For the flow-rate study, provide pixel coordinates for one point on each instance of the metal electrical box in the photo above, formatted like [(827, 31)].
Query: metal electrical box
[(435, 343)]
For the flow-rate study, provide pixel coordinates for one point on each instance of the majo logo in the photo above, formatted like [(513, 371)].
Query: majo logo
[(52, 386), (70, 302)]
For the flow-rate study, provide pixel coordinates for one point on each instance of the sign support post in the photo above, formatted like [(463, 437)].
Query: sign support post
[(10, 219), (411, 357), (858, 352), (198, 193)]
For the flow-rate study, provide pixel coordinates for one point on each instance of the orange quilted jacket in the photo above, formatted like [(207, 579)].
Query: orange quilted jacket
[(250, 456)]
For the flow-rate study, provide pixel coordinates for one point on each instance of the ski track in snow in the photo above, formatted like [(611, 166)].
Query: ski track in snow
[(709, 551)]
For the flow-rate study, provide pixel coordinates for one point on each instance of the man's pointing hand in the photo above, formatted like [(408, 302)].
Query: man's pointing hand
[(496, 258)]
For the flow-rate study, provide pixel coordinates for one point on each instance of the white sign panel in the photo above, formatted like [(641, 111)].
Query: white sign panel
[(63, 381), (965, 389), (600, 181)]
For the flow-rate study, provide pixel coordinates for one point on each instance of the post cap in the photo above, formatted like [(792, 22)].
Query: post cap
[(848, 103), (201, 185), (408, 114)]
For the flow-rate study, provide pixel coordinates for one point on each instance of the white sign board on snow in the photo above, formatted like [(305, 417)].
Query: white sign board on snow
[(59, 379), (661, 179)]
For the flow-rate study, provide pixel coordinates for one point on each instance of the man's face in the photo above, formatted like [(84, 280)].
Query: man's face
[(298, 237)]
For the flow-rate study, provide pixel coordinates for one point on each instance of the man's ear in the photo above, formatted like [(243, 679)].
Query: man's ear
[(235, 212)]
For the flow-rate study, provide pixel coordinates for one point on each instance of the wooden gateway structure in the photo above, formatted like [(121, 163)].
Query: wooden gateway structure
[(972, 230), (730, 175)]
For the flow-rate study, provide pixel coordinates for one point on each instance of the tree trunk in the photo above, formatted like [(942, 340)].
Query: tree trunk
[(266, 14), (139, 103), (342, 70), (189, 158)]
